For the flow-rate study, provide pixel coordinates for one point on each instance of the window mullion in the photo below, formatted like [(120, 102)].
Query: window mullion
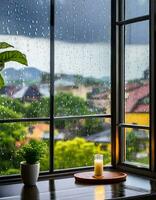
[(51, 141), (152, 85), (121, 79), (114, 85)]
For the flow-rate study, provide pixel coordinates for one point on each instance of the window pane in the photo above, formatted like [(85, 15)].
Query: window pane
[(136, 8), (137, 147), (25, 25), (15, 135), (82, 56), (76, 142), (137, 73)]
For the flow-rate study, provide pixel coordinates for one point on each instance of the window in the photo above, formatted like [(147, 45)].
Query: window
[(24, 101), (136, 8), (82, 84), (134, 89), (89, 86), (81, 73)]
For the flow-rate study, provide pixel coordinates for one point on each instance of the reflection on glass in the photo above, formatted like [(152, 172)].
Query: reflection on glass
[(136, 8), (82, 56), (137, 146), (26, 26), (137, 73), (77, 141), (13, 136)]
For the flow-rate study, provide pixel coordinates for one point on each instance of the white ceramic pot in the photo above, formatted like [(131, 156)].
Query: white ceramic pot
[(29, 173)]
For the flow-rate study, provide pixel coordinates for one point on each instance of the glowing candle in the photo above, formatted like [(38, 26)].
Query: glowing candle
[(98, 165)]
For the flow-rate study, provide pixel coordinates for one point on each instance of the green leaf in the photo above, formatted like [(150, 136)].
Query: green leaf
[(1, 81), (14, 55), (4, 45), (1, 65)]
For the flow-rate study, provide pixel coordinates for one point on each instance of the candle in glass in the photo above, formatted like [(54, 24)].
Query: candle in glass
[(98, 165)]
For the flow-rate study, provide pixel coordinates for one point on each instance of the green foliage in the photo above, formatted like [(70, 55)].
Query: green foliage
[(39, 108), (77, 153), (15, 130), (45, 160), (132, 146), (13, 55), (6, 113), (67, 104), (32, 152), (10, 171), (7, 56), (13, 104), (10, 133), (4, 45), (1, 79), (73, 153), (93, 125), (8, 148)]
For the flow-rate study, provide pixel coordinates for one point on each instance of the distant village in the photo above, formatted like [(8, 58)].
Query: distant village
[(96, 92)]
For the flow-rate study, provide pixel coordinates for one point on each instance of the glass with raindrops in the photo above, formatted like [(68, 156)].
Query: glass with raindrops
[(137, 94), (13, 136), (136, 8), (26, 26), (82, 57), (77, 140), (137, 147)]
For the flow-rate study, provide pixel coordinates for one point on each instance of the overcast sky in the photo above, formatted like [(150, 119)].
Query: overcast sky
[(75, 20)]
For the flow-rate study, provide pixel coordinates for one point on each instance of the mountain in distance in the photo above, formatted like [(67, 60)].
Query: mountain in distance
[(27, 75), (32, 75), (105, 79), (83, 80)]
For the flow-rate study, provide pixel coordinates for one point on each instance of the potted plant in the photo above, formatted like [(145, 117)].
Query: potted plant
[(7, 56), (31, 154)]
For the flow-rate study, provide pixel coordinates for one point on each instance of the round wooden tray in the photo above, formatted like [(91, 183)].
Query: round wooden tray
[(108, 177)]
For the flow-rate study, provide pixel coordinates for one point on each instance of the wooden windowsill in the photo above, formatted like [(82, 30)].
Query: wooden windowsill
[(135, 187)]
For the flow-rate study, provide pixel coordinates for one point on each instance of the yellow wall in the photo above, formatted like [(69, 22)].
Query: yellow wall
[(138, 118)]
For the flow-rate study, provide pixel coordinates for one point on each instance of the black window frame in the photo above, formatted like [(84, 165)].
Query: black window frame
[(119, 24), (116, 92), (51, 119), (122, 23)]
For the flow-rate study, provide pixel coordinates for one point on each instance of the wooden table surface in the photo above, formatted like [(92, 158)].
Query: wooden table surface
[(67, 189)]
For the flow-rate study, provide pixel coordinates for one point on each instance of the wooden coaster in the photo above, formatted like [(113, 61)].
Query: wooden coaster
[(107, 178)]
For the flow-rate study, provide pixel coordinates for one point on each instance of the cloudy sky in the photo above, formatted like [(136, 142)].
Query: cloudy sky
[(75, 20), (80, 28)]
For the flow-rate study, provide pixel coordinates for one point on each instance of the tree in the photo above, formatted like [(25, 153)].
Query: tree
[(39, 108), (132, 147), (12, 104), (92, 125), (67, 104), (77, 153), (10, 133)]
